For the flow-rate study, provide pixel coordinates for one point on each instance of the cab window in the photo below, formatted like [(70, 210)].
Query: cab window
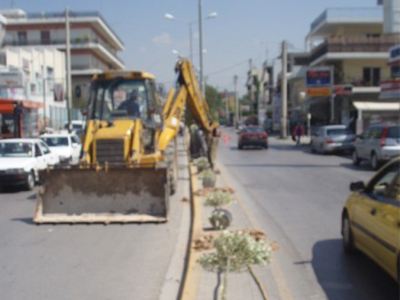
[(384, 185)]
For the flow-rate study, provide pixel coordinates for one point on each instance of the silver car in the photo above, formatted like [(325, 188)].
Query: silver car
[(378, 144), (332, 138)]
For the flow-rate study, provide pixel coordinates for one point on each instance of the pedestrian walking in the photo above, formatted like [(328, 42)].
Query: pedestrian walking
[(299, 132)]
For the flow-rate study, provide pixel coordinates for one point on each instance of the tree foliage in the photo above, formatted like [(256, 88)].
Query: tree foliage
[(214, 101)]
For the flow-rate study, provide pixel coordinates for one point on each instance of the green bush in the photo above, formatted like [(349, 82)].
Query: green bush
[(202, 163), (218, 198), (208, 178), (235, 252)]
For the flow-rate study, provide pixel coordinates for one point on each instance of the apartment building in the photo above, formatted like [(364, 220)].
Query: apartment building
[(32, 83), (94, 44), (352, 42)]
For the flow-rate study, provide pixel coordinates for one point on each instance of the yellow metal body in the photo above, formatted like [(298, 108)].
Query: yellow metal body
[(121, 176), (131, 131), (374, 216)]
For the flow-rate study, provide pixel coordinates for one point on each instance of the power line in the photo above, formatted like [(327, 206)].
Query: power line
[(227, 68)]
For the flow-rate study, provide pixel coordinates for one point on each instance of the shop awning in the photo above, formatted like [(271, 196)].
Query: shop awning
[(377, 106)]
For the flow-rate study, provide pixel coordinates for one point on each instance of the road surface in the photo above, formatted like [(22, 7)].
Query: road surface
[(297, 197), (86, 261)]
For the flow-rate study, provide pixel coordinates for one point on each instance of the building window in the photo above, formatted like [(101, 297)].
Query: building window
[(371, 76), (22, 38), (45, 37)]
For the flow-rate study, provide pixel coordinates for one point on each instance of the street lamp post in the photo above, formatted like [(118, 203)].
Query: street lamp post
[(202, 87), (211, 15)]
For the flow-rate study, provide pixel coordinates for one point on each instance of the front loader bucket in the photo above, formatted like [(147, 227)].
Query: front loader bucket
[(118, 195)]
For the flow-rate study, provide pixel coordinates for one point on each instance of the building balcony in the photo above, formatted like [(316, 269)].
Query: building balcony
[(353, 47), (107, 55), (25, 21), (359, 15)]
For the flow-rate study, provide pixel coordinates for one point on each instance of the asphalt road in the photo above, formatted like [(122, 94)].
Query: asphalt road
[(84, 261), (297, 198)]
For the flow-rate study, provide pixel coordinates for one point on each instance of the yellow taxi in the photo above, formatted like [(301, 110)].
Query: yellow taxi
[(371, 218)]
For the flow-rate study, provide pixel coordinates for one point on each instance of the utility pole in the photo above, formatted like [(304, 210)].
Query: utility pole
[(44, 102), (284, 92), (237, 108), (68, 69), (201, 47)]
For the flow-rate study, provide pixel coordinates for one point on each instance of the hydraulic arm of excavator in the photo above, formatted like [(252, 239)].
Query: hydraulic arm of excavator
[(187, 95)]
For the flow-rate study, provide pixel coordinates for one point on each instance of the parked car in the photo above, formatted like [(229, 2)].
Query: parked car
[(77, 127), (378, 144), (67, 146), (332, 138), (371, 218), (22, 159), (253, 136)]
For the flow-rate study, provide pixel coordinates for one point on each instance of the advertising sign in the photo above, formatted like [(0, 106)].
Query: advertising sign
[(394, 54), (319, 82)]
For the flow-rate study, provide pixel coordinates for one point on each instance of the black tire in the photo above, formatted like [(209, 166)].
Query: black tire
[(356, 159), (374, 161), (398, 271), (240, 146), (347, 235), (266, 146), (30, 181)]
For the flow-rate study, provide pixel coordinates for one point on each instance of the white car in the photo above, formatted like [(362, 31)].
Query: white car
[(22, 159), (67, 146)]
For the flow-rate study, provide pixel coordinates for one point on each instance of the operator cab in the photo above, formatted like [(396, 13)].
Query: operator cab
[(124, 95)]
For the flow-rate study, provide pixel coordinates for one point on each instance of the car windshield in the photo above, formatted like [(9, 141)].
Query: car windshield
[(337, 131), (253, 129), (56, 141), (17, 149), (394, 132), (119, 98)]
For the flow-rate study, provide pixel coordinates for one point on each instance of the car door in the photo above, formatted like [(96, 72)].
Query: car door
[(41, 163), (371, 219), (361, 144), (49, 157)]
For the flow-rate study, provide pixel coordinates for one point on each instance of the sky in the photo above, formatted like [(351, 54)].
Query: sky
[(242, 30)]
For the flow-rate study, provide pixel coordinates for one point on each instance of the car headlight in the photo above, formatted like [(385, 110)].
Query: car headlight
[(15, 171)]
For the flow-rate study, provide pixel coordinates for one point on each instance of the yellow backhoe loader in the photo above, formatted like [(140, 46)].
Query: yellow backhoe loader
[(126, 169)]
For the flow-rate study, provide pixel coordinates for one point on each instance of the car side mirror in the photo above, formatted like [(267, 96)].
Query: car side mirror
[(357, 186)]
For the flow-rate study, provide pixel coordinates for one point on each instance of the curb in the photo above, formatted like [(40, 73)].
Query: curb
[(174, 276), (191, 276)]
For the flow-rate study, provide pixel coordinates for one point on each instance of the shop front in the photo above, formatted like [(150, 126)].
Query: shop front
[(19, 118)]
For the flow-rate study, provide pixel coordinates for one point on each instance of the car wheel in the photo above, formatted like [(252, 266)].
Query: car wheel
[(266, 146), (356, 159), (348, 242), (240, 146), (30, 181), (374, 161)]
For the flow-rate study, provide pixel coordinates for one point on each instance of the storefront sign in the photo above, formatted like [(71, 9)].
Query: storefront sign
[(319, 82), (390, 89), (343, 90), (11, 79), (319, 92), (394, 54)]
